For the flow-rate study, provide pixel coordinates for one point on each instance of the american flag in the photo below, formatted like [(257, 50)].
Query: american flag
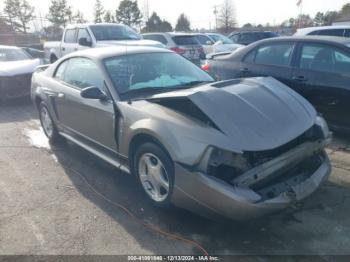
[(299, 2)]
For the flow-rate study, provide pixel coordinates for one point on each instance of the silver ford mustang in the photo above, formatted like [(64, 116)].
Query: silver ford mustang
[(240, 148)]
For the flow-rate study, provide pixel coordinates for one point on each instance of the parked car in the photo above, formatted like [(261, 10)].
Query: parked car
[(82, 36), (184, 44), (16, 68), (240, 148), (216, 43), (35, 53), (248, 37), (341, 31), (316, 67)]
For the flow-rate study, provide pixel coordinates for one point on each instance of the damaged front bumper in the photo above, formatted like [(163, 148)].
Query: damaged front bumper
[(214, 198)]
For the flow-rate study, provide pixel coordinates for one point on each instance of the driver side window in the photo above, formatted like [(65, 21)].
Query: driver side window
[(83, 33), (81, 73)]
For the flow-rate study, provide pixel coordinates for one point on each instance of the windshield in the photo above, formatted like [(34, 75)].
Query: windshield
[(7, 55), (225, 40), (185, 40), (114, 32), (154, 71)]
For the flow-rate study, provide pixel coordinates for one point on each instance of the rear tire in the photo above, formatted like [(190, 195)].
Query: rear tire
[(154, 171), (48, 124)]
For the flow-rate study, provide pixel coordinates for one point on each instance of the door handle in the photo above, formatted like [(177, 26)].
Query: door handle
[(63, 49), (60, 95), (299, 78), (245, 70)]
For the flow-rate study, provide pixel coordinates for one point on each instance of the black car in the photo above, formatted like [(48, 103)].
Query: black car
[(248, 37), (316, 67)]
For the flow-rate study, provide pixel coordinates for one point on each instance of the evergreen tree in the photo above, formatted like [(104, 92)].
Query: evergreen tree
[(128, 13), (109, 17), (155, 24), (99, 12), (59, 13), (183, 24)]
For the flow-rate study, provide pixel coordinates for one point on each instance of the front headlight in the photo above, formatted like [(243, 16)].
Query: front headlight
[(223, 164), (321, 122)]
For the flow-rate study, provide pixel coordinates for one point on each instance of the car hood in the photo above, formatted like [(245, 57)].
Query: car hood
[(131, 43), (12, 68), (253, 114)]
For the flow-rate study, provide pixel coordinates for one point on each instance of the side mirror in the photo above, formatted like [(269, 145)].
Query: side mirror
[(93, 93), (209, 42), (85, 42)]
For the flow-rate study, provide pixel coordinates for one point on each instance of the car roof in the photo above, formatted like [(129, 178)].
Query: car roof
[(252, 31), (308, 30), (112, 51), (8, 47), (336, 39), (72, 26), (173, 33)]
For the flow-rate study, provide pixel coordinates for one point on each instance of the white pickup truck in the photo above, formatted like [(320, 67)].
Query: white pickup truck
[(82, 36)]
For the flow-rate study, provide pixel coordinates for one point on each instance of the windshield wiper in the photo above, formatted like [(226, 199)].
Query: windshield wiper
[(147, 89), (195, 83), (165, 88)]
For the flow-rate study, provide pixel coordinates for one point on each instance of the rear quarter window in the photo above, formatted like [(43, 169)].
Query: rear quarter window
[(185, 40), (277, 54), (332, 32), (158, 38), (70, 36)]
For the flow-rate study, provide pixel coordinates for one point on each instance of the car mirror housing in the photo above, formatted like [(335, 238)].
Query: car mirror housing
[(85, 42), (93, 93)]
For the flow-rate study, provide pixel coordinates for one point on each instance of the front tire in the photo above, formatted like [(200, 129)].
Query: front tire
[(154, 171), (47, 124)]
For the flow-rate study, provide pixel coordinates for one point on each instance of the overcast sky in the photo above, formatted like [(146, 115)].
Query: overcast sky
[(201, 14)]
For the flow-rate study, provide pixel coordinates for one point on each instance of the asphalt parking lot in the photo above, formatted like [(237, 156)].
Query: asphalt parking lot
[(51, 203)]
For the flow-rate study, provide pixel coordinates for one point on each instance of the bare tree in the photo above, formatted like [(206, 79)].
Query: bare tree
[(227, 16), (79, 18), (20, 12)]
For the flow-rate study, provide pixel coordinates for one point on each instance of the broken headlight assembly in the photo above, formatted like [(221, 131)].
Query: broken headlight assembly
[(223, 164), (322, 124)]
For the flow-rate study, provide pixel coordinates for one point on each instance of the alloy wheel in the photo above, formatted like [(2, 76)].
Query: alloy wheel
[(153, 177)]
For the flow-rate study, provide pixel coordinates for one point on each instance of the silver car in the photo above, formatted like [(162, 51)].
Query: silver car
[(184, 44), (240, 148)]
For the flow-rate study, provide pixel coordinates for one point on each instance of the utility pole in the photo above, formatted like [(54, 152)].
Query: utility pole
[(146, 10), (216, 12)]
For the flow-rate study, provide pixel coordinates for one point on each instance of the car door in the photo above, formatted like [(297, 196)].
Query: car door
[(70, 43), (323, 76), (269, 59), (88, 120)]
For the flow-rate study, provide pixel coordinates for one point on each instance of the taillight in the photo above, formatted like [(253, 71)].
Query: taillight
[(205, 67), (178, 50)]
